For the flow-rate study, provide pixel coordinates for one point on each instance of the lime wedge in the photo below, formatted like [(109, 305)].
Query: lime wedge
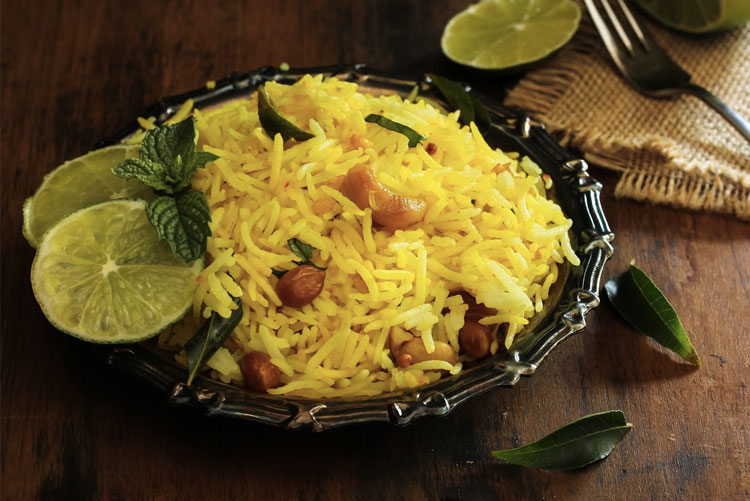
[(76, 184), (101, 274), (499, 34), (698, 16)]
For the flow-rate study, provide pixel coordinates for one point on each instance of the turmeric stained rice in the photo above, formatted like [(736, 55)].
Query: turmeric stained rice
[(488, 230)]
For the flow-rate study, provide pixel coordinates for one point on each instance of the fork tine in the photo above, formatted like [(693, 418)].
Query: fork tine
[(615, 49), (634, 24), (624, 38)]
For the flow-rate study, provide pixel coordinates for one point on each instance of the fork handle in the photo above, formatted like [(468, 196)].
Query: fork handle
[(729, 115)]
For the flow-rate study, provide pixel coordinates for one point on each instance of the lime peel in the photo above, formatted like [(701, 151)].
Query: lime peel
[(102, 275), (698, 16), (78, 183), (500, 34)]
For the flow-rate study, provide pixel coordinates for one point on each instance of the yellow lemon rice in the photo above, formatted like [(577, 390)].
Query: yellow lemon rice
[(489, 229)]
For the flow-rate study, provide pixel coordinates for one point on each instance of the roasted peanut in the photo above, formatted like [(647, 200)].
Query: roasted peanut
[(397, 337), (258, 371), (403, 360), (418, 353), (300, 286), (475, 339), (322, 205), (476, 310), (360, 142), (388, 209), (359, 285)]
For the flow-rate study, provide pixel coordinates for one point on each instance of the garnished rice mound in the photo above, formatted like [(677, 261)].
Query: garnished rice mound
[(488, 230)]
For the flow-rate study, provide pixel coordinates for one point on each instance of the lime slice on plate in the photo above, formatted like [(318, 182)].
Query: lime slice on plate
[(79, 183), (499, 34), (101, 274), (698, 16)]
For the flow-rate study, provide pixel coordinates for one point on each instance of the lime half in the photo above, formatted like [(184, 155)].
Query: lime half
[(79, 183), (101, 274), (698, 16), (499, 34)]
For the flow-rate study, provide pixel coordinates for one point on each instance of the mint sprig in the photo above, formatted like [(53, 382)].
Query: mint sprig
[(167, 163)]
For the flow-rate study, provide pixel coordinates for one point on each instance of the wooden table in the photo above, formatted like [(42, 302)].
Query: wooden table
[(74, 72)]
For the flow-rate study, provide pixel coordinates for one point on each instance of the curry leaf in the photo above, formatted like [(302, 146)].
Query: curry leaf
[(274, 122), (301, 249), (472, 110), (209, 338), (573, 446), (640, 302), (481, 115), (413, 136)]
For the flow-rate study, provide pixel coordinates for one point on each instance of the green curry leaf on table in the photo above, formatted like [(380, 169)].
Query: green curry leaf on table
[(640, 302), (573, 446)]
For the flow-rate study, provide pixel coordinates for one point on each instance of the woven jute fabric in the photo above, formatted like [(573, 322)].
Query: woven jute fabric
[(675, 151)]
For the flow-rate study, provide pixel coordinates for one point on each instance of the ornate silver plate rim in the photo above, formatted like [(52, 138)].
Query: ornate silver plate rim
[(576, 191)]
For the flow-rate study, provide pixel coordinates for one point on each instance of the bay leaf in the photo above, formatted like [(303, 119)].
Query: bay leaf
[(573, 446), (640, 302)]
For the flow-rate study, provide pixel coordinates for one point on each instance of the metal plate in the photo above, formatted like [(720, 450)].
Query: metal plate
[(571, 298)]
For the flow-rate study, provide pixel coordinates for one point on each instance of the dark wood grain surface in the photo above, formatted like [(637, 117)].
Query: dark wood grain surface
[(75, 71)]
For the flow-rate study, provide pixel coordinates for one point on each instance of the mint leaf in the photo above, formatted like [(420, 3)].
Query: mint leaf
[(414, 137), (173, 146), (195, 161), (148, 172), (573, 446), (167, 163), (164, 144), (182, 222)]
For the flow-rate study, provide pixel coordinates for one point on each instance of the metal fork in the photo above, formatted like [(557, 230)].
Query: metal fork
[(645, 65)]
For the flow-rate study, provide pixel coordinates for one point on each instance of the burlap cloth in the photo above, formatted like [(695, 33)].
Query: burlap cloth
[(672, 151)]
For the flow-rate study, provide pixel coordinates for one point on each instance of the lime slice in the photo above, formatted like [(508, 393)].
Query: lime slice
[(101, 274), (498, 34), (79, 183), (698, 16)]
